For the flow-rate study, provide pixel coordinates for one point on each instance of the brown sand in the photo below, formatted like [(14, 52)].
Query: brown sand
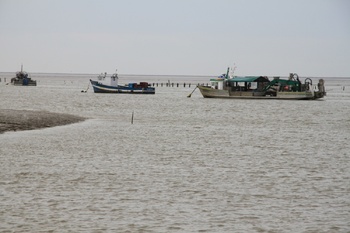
[(13, 120)]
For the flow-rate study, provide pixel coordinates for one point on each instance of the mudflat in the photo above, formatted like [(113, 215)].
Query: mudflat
[(14, 120)]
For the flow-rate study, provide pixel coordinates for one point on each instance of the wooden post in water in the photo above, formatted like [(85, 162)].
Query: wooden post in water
[(132, 117)]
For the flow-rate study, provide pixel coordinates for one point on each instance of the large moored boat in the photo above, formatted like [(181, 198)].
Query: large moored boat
[(261, 87)]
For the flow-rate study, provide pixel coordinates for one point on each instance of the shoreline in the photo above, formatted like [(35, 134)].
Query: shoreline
[(20, 120)]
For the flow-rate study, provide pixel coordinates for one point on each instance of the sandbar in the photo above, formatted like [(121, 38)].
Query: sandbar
[(16, 120)]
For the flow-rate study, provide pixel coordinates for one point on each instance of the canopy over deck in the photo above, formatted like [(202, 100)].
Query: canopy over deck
[(249, 79)]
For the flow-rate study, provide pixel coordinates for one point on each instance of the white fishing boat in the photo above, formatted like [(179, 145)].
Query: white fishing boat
[(109, 84), (261, 87)]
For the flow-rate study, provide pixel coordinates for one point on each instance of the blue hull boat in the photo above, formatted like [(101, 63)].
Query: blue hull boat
[(106, 84), (131, 88), (23, 79)]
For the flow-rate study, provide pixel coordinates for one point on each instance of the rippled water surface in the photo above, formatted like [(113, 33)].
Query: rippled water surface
[(184, 165)]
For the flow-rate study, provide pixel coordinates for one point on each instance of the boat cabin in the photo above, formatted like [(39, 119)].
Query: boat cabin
[(217, 83), (245, 83), (109, 81), (248, 83)]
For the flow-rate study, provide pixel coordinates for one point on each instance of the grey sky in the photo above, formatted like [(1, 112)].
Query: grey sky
[(194, 37)]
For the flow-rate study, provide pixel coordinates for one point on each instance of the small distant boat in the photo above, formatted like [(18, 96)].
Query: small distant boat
[(23, 79), (260, 87), (109, 84)]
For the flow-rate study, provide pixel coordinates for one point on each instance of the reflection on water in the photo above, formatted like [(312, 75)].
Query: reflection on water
[(185, 165)]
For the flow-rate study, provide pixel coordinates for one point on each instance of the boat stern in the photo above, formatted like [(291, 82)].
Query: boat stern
[(321, 92)]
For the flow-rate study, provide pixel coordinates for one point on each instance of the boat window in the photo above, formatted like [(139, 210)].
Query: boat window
[(253, 85)]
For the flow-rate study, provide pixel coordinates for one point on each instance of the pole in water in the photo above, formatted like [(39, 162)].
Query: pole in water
[(132, 117), (189, 96)]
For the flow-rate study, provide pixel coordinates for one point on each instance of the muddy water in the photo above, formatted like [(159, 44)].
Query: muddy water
[(184, 165)]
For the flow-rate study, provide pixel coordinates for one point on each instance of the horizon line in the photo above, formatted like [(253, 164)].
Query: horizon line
[(182, 75)]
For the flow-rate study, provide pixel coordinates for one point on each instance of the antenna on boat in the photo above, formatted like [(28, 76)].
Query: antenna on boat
[(227, 73), (232, 70), (234, 67)]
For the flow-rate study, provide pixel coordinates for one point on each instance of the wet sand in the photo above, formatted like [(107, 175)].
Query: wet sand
[(14, 120)]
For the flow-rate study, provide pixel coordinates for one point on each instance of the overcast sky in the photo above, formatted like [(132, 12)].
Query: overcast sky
[(190, 37)]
